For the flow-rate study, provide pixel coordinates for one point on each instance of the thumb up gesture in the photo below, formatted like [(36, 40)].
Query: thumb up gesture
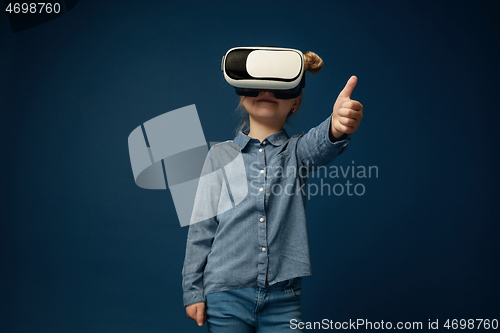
[(347, 113)]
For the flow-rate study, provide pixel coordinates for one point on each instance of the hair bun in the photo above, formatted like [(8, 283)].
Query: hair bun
[(312, 62)]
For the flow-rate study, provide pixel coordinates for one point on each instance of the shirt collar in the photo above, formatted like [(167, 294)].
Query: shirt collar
[(276, 139)]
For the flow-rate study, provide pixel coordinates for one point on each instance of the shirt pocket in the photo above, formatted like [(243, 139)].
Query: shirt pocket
[(281, 158), (278, 168)]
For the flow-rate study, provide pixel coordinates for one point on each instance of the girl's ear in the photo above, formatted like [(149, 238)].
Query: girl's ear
[(297, 102)]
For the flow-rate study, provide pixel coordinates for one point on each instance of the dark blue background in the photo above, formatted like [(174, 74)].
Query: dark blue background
[(83, 249)]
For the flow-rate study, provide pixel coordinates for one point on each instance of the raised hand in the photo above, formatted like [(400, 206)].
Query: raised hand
[(347, 113)]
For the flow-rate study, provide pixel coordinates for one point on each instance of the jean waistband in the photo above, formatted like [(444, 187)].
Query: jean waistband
[(287, 283)]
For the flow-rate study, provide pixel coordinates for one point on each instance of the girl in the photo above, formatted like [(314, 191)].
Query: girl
[(243, 267)]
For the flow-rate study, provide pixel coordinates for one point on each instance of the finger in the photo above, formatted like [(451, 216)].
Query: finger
[(349, 87), (348, 122), (355, 105), (349, 113), (200, 313), (342, 128), (190, 313)]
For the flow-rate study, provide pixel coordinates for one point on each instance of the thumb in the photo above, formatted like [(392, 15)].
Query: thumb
[(349, 87), (200, 314)]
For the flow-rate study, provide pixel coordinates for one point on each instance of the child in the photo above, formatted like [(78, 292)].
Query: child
[(243, 267)]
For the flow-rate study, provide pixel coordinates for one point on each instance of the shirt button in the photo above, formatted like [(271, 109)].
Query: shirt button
[(260, 149), (261, 219), (264, 142), (261, 189), (261, 171), (263, 249)]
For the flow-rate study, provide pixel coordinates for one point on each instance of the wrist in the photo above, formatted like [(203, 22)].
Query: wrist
[(333, 133)]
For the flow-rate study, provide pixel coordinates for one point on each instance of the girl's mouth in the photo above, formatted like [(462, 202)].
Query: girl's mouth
[(266, 100)]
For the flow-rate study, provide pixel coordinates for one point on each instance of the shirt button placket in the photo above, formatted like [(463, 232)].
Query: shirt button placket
[(262, 227)]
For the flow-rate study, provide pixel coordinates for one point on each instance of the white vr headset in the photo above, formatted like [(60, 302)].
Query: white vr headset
[(253, 69)]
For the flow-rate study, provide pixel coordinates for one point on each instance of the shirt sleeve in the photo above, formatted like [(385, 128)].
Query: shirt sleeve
[(198, 246), (315, 149)]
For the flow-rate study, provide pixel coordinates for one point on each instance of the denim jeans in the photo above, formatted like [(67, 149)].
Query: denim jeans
[(256, 309)]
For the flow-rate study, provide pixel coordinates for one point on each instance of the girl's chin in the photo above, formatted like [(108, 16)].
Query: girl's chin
[(266, 108), (265, 113)]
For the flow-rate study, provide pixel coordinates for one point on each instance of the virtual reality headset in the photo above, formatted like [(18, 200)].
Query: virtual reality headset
[(251, 70)]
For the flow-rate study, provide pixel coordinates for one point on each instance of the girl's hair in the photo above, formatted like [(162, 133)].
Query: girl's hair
[(312, 63)]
